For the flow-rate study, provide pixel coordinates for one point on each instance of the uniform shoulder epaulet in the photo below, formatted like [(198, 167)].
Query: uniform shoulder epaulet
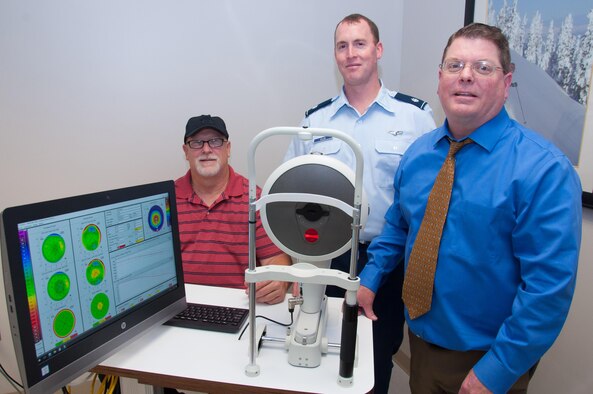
[(318, 107), (410, 100)]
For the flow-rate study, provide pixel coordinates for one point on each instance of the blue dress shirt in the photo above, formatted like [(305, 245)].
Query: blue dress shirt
[(384, 132), (508, 257)]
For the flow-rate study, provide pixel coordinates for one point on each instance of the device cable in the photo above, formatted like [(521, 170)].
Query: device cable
[(114, 384), (271, 320), (109, 384), (11, 380)]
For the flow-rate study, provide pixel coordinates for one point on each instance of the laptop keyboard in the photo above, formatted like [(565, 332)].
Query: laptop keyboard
[(210, 317)]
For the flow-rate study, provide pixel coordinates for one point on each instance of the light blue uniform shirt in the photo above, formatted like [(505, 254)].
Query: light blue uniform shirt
[(508, 257), (384, 132)]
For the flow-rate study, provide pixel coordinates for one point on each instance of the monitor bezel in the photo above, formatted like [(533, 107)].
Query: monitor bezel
[(94, 346)]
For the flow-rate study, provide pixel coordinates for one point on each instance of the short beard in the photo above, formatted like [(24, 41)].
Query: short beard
[(209, 171)]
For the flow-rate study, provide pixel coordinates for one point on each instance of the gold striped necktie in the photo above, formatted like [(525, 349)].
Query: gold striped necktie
[(419, 278)]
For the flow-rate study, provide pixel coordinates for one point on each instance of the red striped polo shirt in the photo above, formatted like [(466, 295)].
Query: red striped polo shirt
[(215, 240)]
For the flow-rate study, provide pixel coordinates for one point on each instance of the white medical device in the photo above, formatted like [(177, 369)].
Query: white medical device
[(312, 207)]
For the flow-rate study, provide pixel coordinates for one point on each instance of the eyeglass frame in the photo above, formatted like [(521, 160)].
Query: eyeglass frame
[(209, 142), (474, 66)]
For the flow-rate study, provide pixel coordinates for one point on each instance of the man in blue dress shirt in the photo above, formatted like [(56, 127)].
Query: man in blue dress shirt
[(507, 261), (385, 123)]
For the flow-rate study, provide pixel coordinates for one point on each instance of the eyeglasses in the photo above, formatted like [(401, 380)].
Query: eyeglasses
[(482, 67), (212, 143)]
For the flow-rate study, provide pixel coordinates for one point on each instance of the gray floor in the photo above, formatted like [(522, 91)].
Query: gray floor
[(399, 381)]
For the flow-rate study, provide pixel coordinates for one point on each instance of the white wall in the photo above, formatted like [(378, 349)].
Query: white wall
[(426, 27), (95, 95)]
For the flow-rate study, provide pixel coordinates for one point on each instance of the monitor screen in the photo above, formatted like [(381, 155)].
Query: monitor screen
[(84, 275)]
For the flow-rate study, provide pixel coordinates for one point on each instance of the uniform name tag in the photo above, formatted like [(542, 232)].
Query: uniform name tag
[(322, 139)]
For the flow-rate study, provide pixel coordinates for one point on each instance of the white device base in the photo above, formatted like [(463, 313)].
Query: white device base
[(303, 351), (252, 370), (345, 382)]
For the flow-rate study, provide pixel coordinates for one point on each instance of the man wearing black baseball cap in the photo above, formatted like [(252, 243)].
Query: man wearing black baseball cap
[(213, 211), (201, 122)]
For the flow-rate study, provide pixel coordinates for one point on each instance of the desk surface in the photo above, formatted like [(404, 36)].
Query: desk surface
[(214, 362)]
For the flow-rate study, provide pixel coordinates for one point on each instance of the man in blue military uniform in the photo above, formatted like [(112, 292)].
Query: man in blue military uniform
[(385, 123)]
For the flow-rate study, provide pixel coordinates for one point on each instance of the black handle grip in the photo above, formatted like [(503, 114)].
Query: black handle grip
[(348, 340)]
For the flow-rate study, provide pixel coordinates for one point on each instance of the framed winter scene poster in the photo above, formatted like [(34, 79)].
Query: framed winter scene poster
[(551, 45)]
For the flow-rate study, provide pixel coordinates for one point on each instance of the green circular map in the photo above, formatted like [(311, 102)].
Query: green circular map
[(100, 306), (64, 323), (53, 248), (95, 272), (58, 286), (91, 237)]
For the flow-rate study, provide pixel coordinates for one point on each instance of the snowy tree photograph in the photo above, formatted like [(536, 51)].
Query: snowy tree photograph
[(552, 48)]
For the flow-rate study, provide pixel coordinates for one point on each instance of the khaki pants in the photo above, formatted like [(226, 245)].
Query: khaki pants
[(436, 370)]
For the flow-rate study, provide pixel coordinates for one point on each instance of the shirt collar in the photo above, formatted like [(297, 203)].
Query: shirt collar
[(183, 188), (486, 135), (233, 188), (384, 99)]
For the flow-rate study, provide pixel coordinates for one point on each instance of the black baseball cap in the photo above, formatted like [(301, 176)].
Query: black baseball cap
[(201, 122)]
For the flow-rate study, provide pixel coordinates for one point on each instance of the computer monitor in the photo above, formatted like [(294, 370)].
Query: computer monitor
[(84, 275)]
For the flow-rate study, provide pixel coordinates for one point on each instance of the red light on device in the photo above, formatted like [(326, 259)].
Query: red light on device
[(311, 235)]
